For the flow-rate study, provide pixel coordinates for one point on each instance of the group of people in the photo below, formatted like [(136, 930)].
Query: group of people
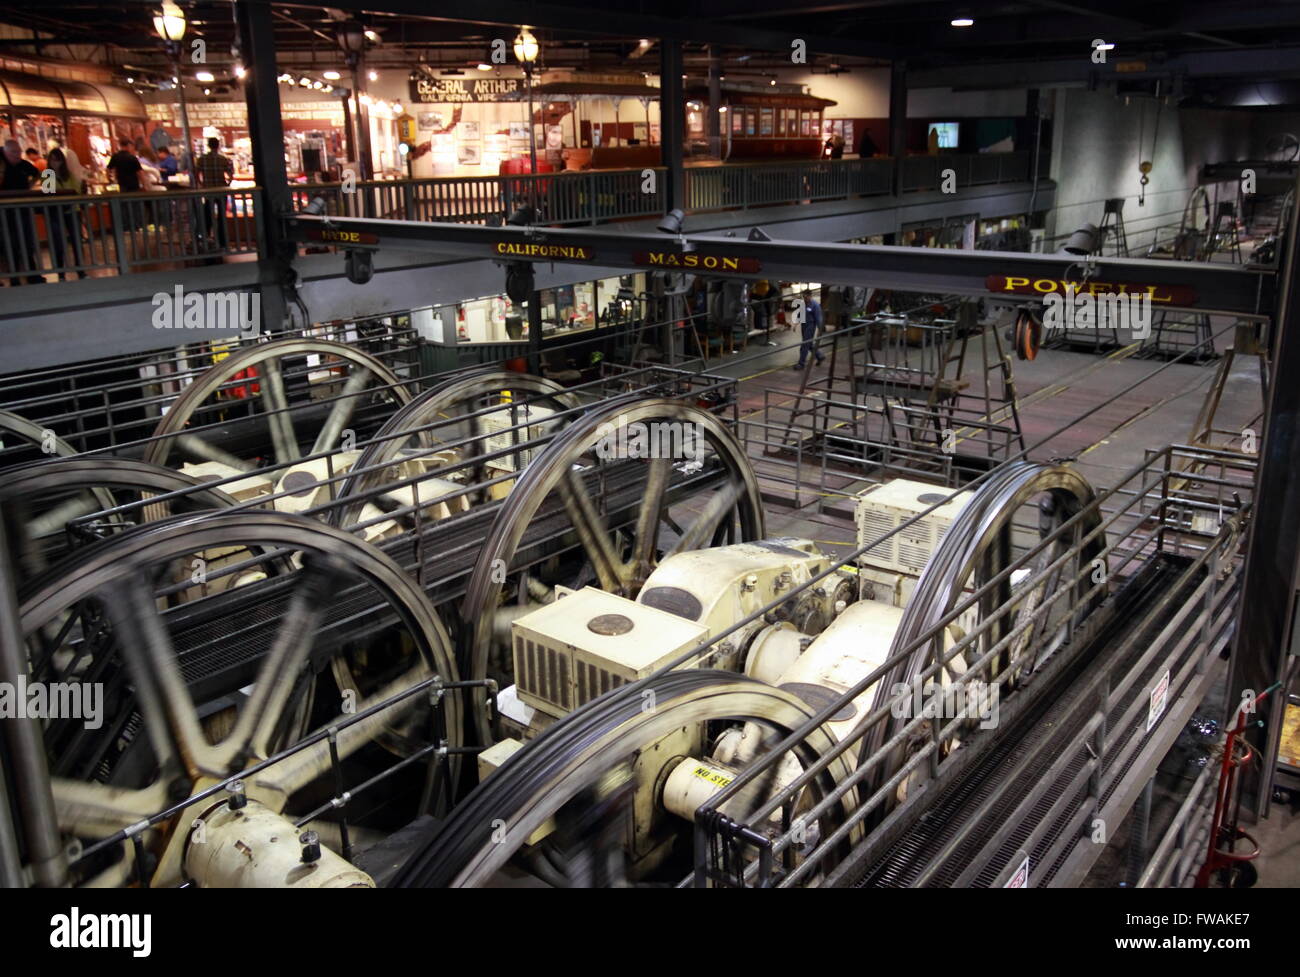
[(134, 169), (20, 172)]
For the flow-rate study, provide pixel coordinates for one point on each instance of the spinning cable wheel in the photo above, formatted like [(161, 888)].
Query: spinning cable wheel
[(1283, 146), (977, 547), (158, 644), (259, 372), (1028, 334), (618, 513), (41, 500), (1193, 227), (581, 773), (463, 409)]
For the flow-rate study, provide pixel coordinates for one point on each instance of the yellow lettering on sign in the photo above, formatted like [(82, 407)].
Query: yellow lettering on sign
[(712, 776)]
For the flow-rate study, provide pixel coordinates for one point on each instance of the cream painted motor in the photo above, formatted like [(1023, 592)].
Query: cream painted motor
[(819, 670), (251, 847), (718, 587)]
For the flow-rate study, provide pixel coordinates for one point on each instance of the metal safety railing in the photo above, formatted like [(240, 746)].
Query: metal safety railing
[(741, 185), (120, 400), (115, 233), (782, 837), (120, 233), (582, 197)]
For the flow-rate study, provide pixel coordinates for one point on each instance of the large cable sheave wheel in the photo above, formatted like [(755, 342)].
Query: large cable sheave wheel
[(203, 673), (1028, 335), (456, 410), (976, 548), (572, 759), (615, 512), (255, 377), (40, 501)]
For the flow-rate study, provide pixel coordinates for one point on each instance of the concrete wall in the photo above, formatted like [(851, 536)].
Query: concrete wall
[(863, 93), (1098, 139)]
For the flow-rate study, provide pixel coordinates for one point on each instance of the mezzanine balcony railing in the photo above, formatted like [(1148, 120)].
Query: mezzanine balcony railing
[(118, 234)]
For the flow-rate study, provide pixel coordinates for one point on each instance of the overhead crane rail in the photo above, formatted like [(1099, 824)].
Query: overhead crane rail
[(1009, 277)]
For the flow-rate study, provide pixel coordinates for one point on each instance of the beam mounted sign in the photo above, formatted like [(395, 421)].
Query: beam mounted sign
[(694, 261), (1160, 294), (434, 91), (333, 235), (543, 252)]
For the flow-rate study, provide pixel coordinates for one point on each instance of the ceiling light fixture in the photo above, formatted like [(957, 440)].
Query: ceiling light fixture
[(333, 75), (963, 22), (169, 23)]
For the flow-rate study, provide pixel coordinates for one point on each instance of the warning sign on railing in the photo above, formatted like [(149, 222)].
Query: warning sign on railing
[(1020, 877), (1159, 698)]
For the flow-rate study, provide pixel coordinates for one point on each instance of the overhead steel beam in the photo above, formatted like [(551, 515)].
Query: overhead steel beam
[(1210, 288), (1267, 63), (613, 20)]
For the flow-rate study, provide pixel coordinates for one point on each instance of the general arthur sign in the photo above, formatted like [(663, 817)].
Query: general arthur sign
[(466, 89)]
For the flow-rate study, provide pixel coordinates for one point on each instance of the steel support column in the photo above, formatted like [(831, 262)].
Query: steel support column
[(261, 91), (670, 122), (24, 745), (898, 120), (535, 333), (715, 103), (1268, 591)]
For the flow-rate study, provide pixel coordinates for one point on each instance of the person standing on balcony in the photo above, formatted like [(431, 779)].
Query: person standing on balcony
[(812, 323), (17, 176), (215, 172), (166, 164), (125, 167), (65, 225), (758, 301)]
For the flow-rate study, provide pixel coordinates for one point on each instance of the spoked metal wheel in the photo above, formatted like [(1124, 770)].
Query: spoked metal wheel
[(1193, 227), (203, 636), (593, 510), (23, 441), (251, 390), (980, 544), (41, 500), (581, 772), (450, 423)]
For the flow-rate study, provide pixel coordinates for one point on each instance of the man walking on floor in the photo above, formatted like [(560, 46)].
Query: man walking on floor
[(812, 324)]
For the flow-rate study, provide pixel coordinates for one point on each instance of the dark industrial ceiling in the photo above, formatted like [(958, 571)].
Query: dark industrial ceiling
[(751, 35)]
